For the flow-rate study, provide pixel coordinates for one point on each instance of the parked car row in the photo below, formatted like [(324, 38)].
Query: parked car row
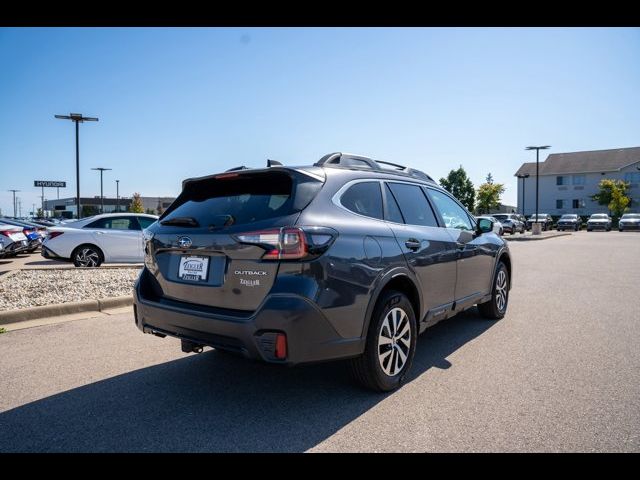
[(19, 236)]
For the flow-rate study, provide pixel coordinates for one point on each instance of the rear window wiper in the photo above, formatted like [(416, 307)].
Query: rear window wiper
[(181, 221)]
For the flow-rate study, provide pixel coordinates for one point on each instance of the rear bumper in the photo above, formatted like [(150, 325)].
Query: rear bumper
[(310, 336), (46, 252)]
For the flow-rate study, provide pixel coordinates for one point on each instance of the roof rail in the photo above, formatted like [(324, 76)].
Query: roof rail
[(351, 160)]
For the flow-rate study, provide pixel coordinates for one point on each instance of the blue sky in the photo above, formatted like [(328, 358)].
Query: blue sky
[(180, 102)]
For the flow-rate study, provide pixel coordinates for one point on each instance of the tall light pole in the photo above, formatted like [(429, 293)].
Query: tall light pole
[(101, 169), (118, 196), (77, 118), (14, 201), (537, 149), (523, 177)]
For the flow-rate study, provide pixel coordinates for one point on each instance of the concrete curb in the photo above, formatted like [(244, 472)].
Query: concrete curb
[(532, 238), (33, 313)]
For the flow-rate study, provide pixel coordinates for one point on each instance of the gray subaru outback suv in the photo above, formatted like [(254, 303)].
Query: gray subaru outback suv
[(350, 258)]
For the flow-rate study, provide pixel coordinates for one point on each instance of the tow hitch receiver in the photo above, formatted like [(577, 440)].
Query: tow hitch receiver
[(189, 347)]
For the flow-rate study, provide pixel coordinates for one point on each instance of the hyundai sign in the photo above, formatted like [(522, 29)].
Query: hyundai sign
[(49, 183)]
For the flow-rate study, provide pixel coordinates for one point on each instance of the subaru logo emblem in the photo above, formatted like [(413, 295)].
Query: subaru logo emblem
[(184, 242)]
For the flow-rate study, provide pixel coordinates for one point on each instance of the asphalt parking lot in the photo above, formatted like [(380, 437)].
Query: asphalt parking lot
[(561, 372)]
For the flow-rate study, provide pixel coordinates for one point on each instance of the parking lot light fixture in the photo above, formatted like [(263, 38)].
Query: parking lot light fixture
[(101, 169), (14, 201), (523, 178), (77, 118), (536, 230), (118, 196)]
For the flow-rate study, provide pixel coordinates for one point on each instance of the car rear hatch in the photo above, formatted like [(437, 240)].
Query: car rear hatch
[(220, 243)]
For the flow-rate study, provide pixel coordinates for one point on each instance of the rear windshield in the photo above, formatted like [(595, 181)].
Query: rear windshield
[(236, 199)]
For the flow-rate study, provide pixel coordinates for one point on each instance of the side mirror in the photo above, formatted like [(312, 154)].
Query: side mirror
[(485, 225)]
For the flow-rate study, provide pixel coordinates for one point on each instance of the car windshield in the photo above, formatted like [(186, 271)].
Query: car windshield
[(568, 217), (599, 216), (502, 217), (628, 216)]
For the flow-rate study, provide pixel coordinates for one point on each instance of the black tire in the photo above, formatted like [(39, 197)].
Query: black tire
[(620, 230), (367, 369), (87, 256), (492, 309)]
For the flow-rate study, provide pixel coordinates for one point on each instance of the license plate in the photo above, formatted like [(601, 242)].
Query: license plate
[(193, 268)]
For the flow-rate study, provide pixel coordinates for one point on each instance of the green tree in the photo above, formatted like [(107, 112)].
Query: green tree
[(459, 185), (613, 194), (488, 195), (136, 204), (89, 210)]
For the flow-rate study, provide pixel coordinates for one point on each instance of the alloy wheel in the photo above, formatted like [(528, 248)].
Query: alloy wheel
[(394, 342), (87, 257), (501, 290)]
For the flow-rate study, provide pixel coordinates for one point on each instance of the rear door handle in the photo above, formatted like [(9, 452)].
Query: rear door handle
[(412, 244)]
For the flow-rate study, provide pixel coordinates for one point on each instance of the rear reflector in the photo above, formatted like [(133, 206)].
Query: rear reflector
[(281, 346)]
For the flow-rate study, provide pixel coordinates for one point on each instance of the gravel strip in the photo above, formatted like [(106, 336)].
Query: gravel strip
[(33, 288)]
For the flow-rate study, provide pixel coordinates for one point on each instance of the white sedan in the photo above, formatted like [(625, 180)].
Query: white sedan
[(106, 238), (498, 229)]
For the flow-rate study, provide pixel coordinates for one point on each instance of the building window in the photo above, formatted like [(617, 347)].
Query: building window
[(632, 177), (559, 203), (578, 179), (559, 180), (577, 203)]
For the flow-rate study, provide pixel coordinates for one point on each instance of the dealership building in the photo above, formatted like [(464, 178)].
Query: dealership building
[(66, 207), (568, 180)]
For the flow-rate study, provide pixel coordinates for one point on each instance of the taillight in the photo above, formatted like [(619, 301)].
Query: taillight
[(53, 235), (6, 233), (290, 243), (28, 232)]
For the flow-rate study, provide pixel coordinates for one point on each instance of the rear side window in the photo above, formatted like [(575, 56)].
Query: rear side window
[(236, 199), (364, 198), (145, 222), (115, 223), (413, 204)]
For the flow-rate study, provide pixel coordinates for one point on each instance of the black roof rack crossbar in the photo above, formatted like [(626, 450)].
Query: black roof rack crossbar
[(350, 160)]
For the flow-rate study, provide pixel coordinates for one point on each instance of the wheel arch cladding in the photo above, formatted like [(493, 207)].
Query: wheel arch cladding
[(506, 259), (400, 283)]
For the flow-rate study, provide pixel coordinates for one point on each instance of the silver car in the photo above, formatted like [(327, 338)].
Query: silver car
[(600, 221), (629, 221)]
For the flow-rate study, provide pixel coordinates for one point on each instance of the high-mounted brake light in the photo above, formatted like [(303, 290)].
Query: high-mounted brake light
[(226, 175)]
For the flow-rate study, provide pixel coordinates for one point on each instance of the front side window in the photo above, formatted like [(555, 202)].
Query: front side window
[(453, 215), (413, 204), (364, 198)]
